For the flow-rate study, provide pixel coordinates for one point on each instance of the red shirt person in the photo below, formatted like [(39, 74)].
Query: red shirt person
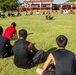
[(31, 13), (10, 32)]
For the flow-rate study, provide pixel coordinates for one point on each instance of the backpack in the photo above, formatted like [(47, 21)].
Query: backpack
[(36, 59), (38, 56)]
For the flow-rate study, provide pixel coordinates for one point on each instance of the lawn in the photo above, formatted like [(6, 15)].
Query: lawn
[(43, 33)]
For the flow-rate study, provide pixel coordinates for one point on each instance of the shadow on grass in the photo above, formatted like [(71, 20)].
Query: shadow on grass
[(46, 55), (48, 52)]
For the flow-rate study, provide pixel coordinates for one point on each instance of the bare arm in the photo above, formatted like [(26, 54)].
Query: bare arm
[(49, 59), (39, 71), (32, 47)]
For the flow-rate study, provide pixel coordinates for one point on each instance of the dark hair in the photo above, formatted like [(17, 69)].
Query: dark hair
[(23, 33), (61, 40), (1, 30), (13, 24)]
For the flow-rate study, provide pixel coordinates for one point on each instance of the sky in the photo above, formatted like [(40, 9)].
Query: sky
[(60, 0), (54, 0)]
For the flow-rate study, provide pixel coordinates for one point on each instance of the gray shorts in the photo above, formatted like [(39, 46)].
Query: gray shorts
[(47, 72)]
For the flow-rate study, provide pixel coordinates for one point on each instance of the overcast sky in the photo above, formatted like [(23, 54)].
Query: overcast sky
[(54, 0)]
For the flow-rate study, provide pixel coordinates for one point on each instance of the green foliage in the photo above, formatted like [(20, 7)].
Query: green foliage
[(72, 0), (43, 33), (8, 3)]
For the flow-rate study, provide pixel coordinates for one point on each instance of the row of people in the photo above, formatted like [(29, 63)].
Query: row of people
[(67, 11), (40, 13), (24, 52), (13, 15), (9, 14), (37, 13), (44, 12)]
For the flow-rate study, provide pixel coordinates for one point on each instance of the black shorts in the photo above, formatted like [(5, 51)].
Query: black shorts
[(47, 72)]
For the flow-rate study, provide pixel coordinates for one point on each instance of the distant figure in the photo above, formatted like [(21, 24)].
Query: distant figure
[(48, 16), (37, 12), (25, 51), (65, 11), (31, 12), (62, 58), (71, 11), (18, 13), (61, 11), (52, 12), (0, 14), (56, 12), (5, 46), (43, 13), (3, 15), (26, 13), (12, 14), (9, 14), (10, 32), (47, 12)]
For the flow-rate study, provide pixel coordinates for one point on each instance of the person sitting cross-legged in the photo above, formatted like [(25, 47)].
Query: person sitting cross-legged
[(48, 16), (25, 53), (63, 60), (5, 46)]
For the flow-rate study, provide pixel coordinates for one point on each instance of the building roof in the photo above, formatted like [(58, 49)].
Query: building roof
[(38, 0)]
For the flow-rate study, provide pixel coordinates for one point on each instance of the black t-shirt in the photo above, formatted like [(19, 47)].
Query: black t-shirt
[(64, 62), (3, 42), (21, 53)]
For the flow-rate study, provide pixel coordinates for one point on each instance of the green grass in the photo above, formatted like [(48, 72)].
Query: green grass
[(44, 33)]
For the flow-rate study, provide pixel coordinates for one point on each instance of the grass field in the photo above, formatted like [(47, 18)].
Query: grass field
[(41, 32)]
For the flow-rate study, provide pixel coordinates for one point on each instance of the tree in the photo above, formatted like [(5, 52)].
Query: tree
[(5, 4), (71, 0)]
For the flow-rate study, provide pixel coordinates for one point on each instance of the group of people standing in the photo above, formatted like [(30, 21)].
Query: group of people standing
[(25, 52)]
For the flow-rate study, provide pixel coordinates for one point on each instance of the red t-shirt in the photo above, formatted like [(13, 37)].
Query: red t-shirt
[(9, 31)]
